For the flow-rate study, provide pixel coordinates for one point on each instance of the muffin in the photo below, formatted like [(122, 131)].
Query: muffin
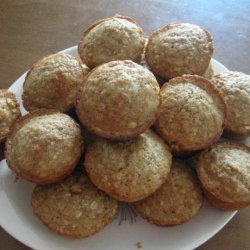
[(235, 88), (176, 201), (191, 114), (128, 171), (111, 39), (52, 83), (44, 146), (179, 48), (73, 207), (224, 174), (9, 112), (124, 100)]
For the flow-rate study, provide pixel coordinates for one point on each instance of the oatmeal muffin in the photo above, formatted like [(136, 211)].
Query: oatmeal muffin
[(179, 48), (176, 201), (52, 82), (124, 100), (128, 171), (224, 174), (191, 114), (9, 112), (44, 146), (235, 88), (73, 207), (111, 39)]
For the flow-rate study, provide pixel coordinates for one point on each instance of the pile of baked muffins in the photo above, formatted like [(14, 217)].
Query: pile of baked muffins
[(129, 131)]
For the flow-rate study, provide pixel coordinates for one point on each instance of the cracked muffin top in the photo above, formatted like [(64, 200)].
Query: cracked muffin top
[(111, 39), (176, 201), (235, 88), (191, 113), (129, 171), (52, 82), (73, 207), (224, 172), (179, 48), (9, 112), (124, 100), (44, 146)]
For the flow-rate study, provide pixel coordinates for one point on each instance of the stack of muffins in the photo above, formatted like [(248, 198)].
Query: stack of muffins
[(125, 138)]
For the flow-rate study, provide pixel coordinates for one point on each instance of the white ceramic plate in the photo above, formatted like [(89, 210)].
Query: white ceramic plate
[(17, 219)]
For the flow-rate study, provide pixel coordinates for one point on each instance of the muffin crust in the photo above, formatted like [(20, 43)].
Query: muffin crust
[(128, 171), (52, 82), (235, 88), (191, 114), (224, 173), (124, 100), (179, 48), (176, 201), (73, 207), (110, 39), (44, 146)]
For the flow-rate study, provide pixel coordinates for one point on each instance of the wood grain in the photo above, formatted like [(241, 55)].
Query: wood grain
[(31, 29)]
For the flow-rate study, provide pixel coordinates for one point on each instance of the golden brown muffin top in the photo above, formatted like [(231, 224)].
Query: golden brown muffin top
[(179, 48), (176, 201), (224, 171), (131, 170), (9, 112), (43, 145), (73, 207), (235, 88), (52, 82), (110, 39), (124, 100), (191, 113)]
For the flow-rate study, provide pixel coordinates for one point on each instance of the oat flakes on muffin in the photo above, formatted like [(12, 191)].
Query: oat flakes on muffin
[(73, 207), (52, 82), (179, 48), (9, 112), (191, 113), (110, 39), (176, 201), (44, 146), (235, 88), (224, 173), (124, 100), (129, 171)]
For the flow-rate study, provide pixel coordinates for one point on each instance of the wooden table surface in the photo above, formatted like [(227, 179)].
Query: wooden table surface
[(31, 29)]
